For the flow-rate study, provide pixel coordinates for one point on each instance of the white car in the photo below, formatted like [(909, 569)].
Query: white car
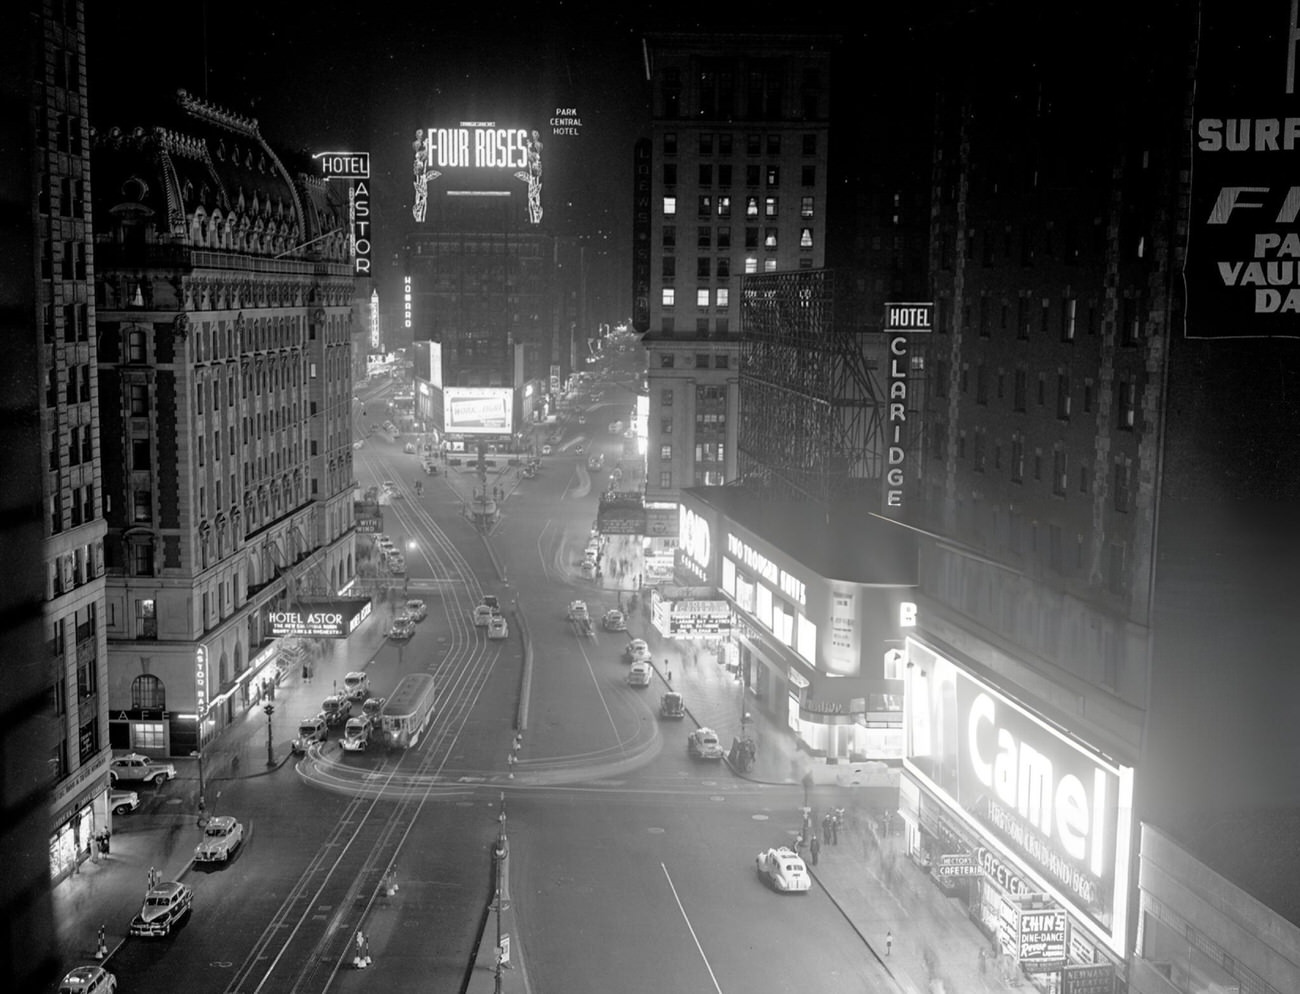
[(357, 685), (123, 801), (546, 449), (221, 837), (638, 651), (88, 980), (356, 735), (783, 870), (578, 611), (483, 615), (164, 905), (133, 766), (639, 675), (497, 628), (614, 621), (416, 609), (403, 629), (703, 744)]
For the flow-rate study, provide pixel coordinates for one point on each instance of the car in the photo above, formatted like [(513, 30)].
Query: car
[(409, 448), (165, 904), (638, 651), (121, 802), (614, 621), (578, 611), (390, 486), (582, 419), (483, 615), (597, 461), (373, 708), (403, 628), (87, 980), (221, 837), (357, 685), (397, 564), (492, 601), (372, 496), (336, 709), (546, 449), (783, 870), (311, 729), (134, 767), (615, 427), (639, 674), (385, 544), (356, 735), (578, 449), (416, 609), (703, 744), (497, 628), (671, 705)]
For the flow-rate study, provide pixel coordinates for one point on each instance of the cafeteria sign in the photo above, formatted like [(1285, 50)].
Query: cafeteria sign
[(321, 617)]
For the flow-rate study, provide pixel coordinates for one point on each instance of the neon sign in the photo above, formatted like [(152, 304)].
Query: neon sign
[(406, 300), (477, 145), (911, 318)]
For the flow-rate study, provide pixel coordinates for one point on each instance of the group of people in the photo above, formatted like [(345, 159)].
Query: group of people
[(810, 842)]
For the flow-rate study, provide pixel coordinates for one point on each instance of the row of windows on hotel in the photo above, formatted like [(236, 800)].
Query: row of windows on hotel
[(714, 90), (724, 143), (1034, 312), (706, 204), (80, 627), (755, 175), (1121, 471), (1127, 391)]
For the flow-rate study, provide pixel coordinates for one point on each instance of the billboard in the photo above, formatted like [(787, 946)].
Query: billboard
[(478, 410), (642, 176), (1243, 234), (479, 146), (1063, 810), (319, 617)]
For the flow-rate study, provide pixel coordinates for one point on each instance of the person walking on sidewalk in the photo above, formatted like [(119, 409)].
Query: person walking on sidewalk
[(814, 847), (889, 942)]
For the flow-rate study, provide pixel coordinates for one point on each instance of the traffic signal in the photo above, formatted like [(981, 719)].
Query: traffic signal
[(269, 709)]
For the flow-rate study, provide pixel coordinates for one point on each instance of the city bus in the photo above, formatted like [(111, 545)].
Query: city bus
[(408, 711)]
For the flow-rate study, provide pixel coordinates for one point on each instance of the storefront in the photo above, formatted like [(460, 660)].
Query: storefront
[(79, 819), (1028, 826)]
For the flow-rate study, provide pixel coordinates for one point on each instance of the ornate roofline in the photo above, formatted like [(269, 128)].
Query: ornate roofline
[(214, 114)]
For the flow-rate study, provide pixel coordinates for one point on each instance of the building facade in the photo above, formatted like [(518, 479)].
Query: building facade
[(737, 170), (226, 306)]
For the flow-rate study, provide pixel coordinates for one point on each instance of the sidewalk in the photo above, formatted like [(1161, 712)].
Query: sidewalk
[(935, 946), (108, 890)]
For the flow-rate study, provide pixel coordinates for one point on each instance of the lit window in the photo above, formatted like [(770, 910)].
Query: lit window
[(670, 206), (751, 207), (724, 206), (751, 264), (805, 238), (805, 206), (769, 265), (770, 206), (723, 295), (669, 296), (769, 238), (702, 297)]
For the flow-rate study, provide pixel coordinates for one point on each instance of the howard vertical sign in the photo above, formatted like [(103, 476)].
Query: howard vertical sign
[(901, 320), (1242, 269), (641, 195)]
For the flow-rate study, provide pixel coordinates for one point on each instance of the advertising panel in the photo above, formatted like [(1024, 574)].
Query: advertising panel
[(695, 541), (842, 656), (642, 175), (1089, 978), (1242, 271), (1062, 810), (319, 617), (478, 410), (368, 516), (479, 146)]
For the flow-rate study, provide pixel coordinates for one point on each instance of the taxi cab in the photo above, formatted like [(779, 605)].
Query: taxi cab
[(783, 870), (88, 980), (638, 651), (164, 906)]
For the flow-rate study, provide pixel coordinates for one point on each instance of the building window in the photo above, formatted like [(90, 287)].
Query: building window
[(670, 143), (1068, 308), (669, 267), (666, 360), (725, 142), (807, 175), (753, 144), (1063, 396), (670, 206), (724, 237), (751, 238), (724, 175), (669, 296), (146, 621), (724, 268), (665, 426), (724, 295), (751, 207), (1060, 473), (702, 293), (769, 238), (665, 479), (773, 175), (704, 236), (724, 206), (706, 143), (135, 348), (138, 400), (1017, 460), (670, 174), (142, 559), (769, 265), (705, 208), (721, 361), (1119, 485), (774, 144), (805, 238), (665, 453), (142, 506), (770, 206), (147, 691), (805, 206), (665, 398), (751, 264), (706, 173), (1020, 390), (1125, 395)]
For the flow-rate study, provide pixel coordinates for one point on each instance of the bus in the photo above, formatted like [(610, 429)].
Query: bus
[(408, 711)]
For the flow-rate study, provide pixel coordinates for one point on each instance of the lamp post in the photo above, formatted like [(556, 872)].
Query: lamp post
[(500, 903), (270, 753), (198, 754)]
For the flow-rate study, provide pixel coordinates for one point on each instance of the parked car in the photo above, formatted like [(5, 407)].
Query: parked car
[(397, 564), (638, 651), (310, 729), (416, 609), (588, 569), (221, 837), (403, 628), (165, 905), (783, 870), (136, 768), (88, 980), (671, 705), (123, 801), (497, 628), (639, 675), (614, 621), (703, 744)]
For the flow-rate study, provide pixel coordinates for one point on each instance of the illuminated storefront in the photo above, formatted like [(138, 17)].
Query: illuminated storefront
[(1031, 827), (812, 648)]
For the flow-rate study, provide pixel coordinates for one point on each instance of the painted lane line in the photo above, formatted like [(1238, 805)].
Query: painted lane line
[(716, 986)]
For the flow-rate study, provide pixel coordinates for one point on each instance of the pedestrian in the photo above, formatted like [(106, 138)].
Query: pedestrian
[(835, 828), (984, 961), (814, 848), (889, 942), (826, 828)]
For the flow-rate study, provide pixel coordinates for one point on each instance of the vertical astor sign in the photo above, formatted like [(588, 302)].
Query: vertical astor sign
[(901, 320)]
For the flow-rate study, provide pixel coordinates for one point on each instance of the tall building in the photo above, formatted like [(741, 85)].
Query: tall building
[(1099, 457), (225, 293), (55, 742), (737, 167)]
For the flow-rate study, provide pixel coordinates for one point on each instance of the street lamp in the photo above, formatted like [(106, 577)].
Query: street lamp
[(198, 754), (270, 753), (500, 902)]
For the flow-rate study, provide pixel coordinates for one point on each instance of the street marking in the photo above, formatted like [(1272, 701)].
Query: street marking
[(716, 986)]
